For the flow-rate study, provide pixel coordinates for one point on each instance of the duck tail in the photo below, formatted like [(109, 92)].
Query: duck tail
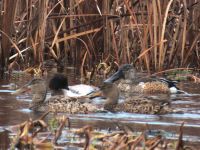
[(171, 83)]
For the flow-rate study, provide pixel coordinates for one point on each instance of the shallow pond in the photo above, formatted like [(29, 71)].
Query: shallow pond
[(13, 110)]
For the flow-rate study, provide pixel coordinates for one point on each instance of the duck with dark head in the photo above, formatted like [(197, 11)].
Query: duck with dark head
[(60, 102), (130, 82), (70, 99)]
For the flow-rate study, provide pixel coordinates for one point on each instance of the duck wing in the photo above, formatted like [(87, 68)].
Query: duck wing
[(80, 90)]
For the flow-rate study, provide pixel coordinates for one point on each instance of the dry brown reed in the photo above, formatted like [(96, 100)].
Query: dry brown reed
[(36, 135), (154, 35)]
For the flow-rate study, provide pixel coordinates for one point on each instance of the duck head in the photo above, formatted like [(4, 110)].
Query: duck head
[(58, 81), (126, 71), (37, 87)]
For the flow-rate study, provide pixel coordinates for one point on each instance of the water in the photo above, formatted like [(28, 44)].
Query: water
[(14, 110)]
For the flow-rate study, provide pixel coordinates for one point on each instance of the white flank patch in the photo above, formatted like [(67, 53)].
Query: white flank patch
[(79, 90)]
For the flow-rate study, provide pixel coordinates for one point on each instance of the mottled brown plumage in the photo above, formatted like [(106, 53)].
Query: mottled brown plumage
[(61, 103), (148, 87), (130, 82), (132, 104), (143, 106), (64, 104)]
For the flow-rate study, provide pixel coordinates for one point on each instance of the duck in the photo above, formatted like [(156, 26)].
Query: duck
[(130, 82), (59, 82), (64, 98), (131, 104), (61, 103)]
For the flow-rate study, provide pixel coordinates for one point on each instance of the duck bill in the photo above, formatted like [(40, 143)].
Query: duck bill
[(24, 89), (95, 94), (116, 76)]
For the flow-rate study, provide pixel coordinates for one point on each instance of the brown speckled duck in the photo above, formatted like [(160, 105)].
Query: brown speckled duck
[(133, 104), (63, 103), (131, 83)]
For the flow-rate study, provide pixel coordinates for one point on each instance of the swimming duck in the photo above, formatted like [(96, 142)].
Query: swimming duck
[(59, 82), (133, 104), (132, 83), (64, 98), (62, 103)]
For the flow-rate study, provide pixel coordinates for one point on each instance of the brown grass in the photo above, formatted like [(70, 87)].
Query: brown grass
[(155, 35)]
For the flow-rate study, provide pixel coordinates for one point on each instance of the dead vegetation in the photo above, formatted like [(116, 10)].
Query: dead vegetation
[(39, 134), (154, 35)]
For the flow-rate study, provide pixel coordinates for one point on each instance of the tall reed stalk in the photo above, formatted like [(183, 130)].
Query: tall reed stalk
[(154, 35)]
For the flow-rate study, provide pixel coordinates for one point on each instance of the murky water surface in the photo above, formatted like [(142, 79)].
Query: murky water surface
[(14, 110)]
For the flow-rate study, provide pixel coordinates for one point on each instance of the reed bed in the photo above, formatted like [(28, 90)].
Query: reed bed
[(153, 35), (57, 134)]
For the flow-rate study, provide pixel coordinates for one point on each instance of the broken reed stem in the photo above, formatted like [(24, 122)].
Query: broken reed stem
[(168, 70), (44, 115), (59, 130), (155, 145), (136, 141), (180, 139)]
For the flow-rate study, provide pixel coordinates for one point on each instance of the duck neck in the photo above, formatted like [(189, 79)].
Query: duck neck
[(39, 93), (37, 106), (116, 76), (112, 98), (57, 92)]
